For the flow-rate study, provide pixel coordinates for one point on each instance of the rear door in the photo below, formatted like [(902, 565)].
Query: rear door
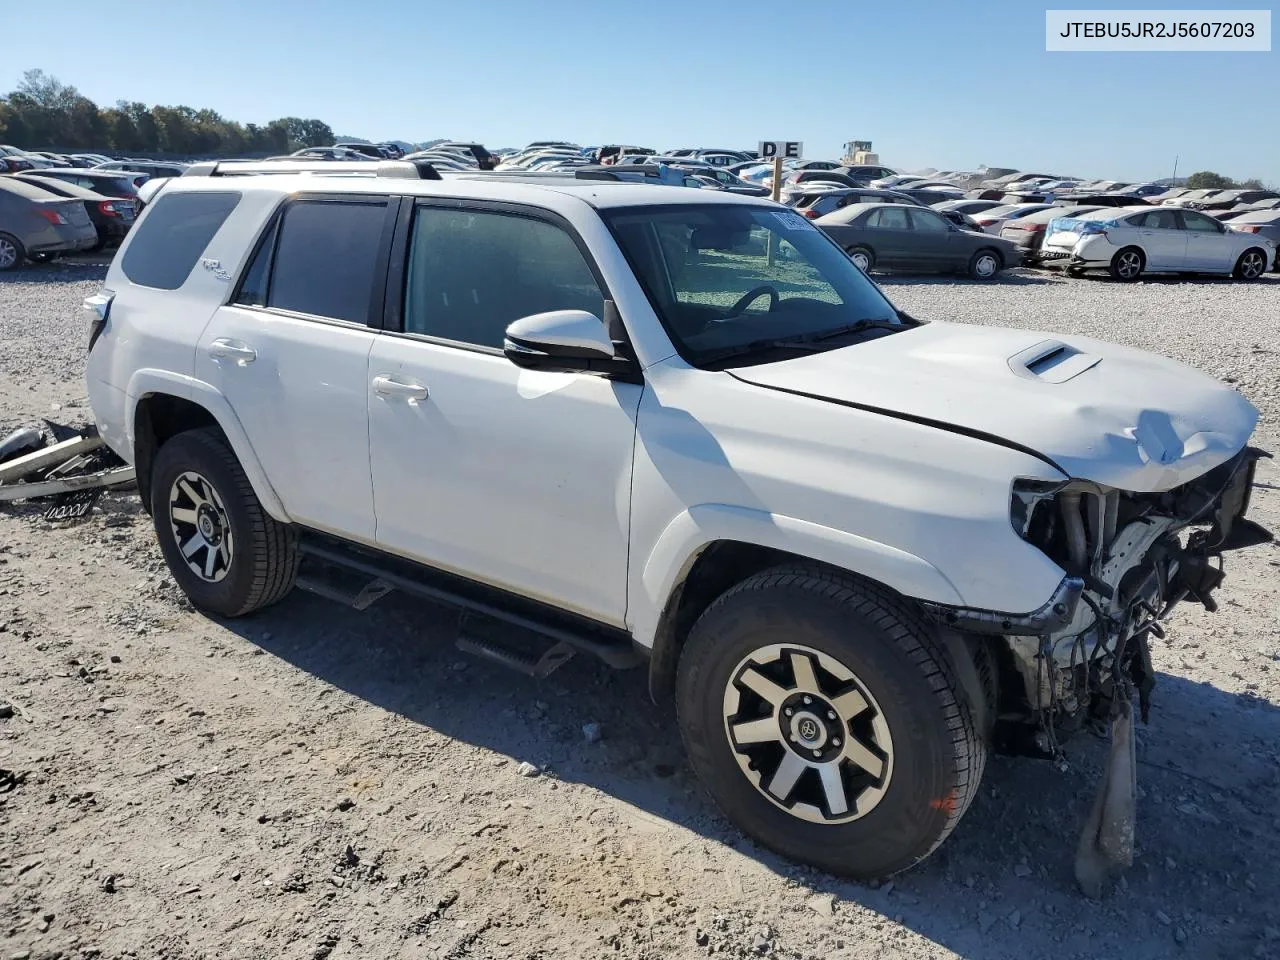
[(1161, 237), (290, 352), (1210, 246), (889, 232)]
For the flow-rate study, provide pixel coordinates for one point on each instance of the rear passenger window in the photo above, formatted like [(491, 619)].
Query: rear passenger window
[(253, 288), (173, 235), (325, 257), (471, 273)]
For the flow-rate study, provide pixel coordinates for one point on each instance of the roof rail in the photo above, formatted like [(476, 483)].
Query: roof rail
[(401, 169)]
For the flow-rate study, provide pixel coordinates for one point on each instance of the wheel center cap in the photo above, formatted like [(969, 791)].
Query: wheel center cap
[(811, 732)]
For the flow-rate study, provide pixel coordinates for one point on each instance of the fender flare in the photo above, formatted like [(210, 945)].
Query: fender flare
[(149, 381), (692, 530)]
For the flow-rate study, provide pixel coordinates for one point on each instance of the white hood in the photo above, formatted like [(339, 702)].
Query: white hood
[(1101, 412)]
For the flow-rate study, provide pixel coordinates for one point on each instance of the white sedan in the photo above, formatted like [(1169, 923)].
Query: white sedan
[(1129, 241)]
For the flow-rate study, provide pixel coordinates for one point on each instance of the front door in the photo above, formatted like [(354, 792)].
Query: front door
[(1209, 247), (1163, 240), (517, 478), (931, 238)]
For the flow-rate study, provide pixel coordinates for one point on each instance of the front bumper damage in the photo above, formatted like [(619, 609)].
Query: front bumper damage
[(1079, 660)]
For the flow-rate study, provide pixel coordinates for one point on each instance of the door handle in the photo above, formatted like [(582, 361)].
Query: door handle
[(240, 352), (387, 387)]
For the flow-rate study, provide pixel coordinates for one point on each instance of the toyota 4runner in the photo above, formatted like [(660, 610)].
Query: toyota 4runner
[(672, 427)]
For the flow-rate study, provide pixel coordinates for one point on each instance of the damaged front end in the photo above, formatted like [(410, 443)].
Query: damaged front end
[(1076, 662)]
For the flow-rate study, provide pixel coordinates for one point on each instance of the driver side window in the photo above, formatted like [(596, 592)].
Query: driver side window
[(1200, 223), (888, 218)]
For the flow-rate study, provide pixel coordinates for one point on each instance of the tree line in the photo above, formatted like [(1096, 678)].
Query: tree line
[(1208, 180), (45, 113)]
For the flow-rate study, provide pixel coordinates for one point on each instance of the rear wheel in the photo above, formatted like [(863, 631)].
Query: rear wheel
[(11, 251), (862, 258), (1251, 265), (1128, 264), (225, 552), (985, 264), (827, 721)]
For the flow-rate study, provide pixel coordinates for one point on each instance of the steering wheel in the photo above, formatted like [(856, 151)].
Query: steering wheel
[(752, 295)]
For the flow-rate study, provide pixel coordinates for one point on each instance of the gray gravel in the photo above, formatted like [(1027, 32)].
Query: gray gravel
[(313, 782)]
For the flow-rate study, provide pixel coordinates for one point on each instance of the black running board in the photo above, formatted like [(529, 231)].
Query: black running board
[(381, 573)]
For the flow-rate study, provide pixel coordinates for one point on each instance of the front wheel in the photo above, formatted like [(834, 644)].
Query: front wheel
[(1251, 265), (827, 722), (225, 552), (984, 265)]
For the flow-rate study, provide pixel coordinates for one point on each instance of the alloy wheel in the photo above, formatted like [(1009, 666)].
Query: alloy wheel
[(201, 527), (808, 734), (1129, 264), (8, 254), (1253, 265)]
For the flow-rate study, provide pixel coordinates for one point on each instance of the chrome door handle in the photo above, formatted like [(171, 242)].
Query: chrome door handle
[(387, 387), (224, 349)]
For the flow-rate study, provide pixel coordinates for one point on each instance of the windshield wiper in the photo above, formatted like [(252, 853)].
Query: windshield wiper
[(804, 342)]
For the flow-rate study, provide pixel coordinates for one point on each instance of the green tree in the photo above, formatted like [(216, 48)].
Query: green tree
[(1208, 180)]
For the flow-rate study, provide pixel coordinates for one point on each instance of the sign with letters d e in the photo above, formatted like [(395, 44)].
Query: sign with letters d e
[(786, 149)]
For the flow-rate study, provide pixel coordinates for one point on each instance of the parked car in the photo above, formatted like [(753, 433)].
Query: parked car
[(109, 183), (1134, 240), (13, 160), (993, 220), (726, 180), (866, 171), (1101, 200), (370, 151), (1263, 223), (157, 170), (824, 176), (37, 225), (893, 236), (971, 207), (1027, 232), (814, 205), (112, 217)]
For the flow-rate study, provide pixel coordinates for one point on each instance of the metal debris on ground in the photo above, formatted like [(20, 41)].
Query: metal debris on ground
[(67, 468)]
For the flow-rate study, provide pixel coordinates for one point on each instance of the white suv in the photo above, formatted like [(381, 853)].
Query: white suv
[(677, 427)]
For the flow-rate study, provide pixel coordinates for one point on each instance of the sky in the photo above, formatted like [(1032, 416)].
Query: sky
[(948, 85)]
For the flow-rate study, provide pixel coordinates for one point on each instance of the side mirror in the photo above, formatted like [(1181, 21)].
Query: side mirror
[(561, 341)]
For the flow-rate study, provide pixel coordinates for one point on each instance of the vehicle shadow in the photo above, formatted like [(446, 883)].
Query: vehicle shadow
[(1209, 787), (57, 271)]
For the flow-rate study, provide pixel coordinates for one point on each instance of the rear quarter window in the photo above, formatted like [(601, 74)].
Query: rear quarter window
[(173, 235)]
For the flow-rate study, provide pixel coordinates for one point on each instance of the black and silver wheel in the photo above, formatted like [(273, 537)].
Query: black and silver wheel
[(11, 252), (1128, 264), (1251, 265), (862, 258), (225, 552), (827, 721), (984, 265)]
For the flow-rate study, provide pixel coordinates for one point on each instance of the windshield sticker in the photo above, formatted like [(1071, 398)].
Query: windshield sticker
[(791, 221)]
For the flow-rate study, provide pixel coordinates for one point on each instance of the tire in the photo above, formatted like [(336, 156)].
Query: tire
[(42, 257), (1252, 265), (1075, 271), (985, 264), (863, 258), (12, 253), (256, 558), (915, 730), (1127, 265)]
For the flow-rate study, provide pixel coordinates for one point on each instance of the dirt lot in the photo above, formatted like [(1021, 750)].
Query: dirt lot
[(311, 782)]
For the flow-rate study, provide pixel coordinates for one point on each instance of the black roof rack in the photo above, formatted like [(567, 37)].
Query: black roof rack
[(402, 169)]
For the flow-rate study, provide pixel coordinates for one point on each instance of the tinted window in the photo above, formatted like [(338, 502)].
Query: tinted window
[(173, 235), (253, 288), (1156, 220), (471, 273), (889, 218), (324, 260), (926, 220)]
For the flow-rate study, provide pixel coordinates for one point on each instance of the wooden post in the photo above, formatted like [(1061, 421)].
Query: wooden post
[(777, 197)]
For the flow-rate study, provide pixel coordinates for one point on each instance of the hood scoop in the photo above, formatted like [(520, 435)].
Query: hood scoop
[(1052, 361)]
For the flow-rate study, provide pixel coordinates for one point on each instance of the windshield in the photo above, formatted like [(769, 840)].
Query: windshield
[(724, 277)]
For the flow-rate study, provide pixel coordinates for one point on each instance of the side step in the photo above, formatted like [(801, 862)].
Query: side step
[(495, 624), (510, 647)]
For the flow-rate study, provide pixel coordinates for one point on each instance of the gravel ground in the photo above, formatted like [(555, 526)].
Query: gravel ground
[(312, 783)]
